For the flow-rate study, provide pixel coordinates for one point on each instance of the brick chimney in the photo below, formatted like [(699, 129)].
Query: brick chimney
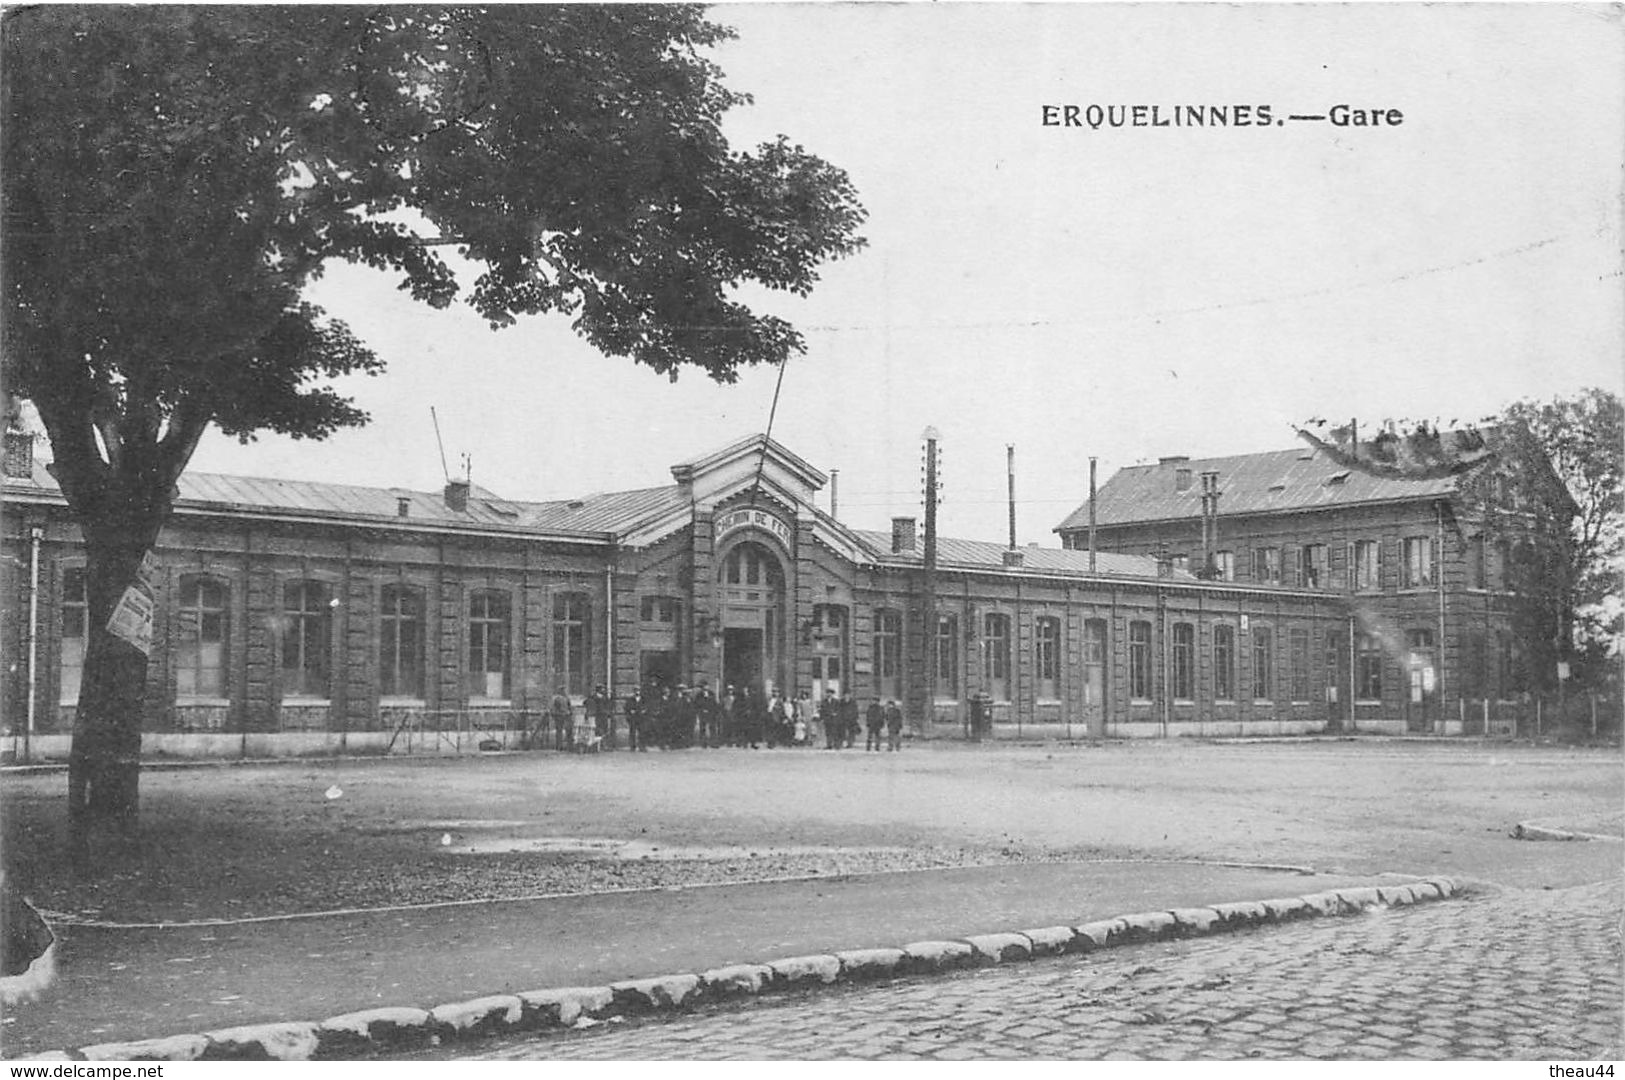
[(19, 456), (1013, 557), (902, 535), (457, 495)]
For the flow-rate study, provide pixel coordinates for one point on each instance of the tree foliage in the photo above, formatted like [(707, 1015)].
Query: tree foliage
[(174, 177), (1546, 481)]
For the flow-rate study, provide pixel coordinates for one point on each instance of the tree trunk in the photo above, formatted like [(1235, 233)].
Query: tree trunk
[(104, 764)]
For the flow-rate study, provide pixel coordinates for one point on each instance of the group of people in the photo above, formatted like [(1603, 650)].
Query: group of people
[(839, 717), (677, 717)]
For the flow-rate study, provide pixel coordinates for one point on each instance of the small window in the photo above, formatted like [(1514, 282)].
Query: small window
[(1416, 567), (1337, 479), (660, 610), (1267, 565), (1312, 566), (1224, 564), (1366, 565)]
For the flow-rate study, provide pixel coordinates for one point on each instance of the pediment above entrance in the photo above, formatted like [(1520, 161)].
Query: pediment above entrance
[(716, 476)]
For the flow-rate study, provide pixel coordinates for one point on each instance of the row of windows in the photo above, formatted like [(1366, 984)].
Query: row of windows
[(996, 656), (305, 640), (1309, 565), (1183, 662)]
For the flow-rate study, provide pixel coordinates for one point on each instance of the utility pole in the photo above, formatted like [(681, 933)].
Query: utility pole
[(929, 577), (1010, 470), (1091, 515)]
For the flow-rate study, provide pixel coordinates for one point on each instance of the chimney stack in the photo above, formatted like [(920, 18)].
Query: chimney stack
[(457, 495), (19, 455), (902, 535)]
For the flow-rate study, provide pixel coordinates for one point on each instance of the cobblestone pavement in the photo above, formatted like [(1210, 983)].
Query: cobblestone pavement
[(1502, 974)]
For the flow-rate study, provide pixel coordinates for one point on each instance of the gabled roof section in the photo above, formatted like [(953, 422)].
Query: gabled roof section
[(752, 446), (1274, 481)]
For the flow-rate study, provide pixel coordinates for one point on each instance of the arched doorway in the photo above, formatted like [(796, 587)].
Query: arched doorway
[(751, 595)]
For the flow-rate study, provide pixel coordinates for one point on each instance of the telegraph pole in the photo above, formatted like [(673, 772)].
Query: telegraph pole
[(1010, 471), (931, 486)]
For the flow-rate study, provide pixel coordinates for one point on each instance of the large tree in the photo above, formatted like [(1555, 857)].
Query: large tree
[(1547, 480), (175, 176)]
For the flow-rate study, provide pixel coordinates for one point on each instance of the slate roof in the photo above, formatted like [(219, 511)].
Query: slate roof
[(986, 555), (615, 511), (1277, 480), (592, 517)]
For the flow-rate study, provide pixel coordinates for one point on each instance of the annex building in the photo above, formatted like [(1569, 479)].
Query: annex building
[(306, 617)]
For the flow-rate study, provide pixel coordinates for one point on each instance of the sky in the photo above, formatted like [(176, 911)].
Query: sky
[(1124, 293)]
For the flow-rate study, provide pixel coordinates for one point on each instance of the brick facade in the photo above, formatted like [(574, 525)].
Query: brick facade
[(634, 583)]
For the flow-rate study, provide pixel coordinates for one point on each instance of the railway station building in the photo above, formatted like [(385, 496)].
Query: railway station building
[(301, 617)]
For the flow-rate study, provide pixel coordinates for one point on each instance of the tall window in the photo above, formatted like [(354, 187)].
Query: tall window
[(889, 654), (1094, 663), (946, 681), (1267, 564), (1263, 664), (1047, 650), (200, 651), (1367, 668), (400, 642), (1312, 566), (307, 632), (1224, 564), (1416, 569), (1298, 662), (1508, 666), (1224, 662), (1503, 565), (996, 654), (828, 639), (1365, 564), (1478, 572), (1419, 664), (488, 636), (572, 620), (1139, 660), (75, 633), (1184, 662)]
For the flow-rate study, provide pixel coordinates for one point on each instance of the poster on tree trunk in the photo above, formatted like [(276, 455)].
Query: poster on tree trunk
[(132, 619)]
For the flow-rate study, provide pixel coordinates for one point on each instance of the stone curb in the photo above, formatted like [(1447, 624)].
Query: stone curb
[(1528, 830), (359, 1034)]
